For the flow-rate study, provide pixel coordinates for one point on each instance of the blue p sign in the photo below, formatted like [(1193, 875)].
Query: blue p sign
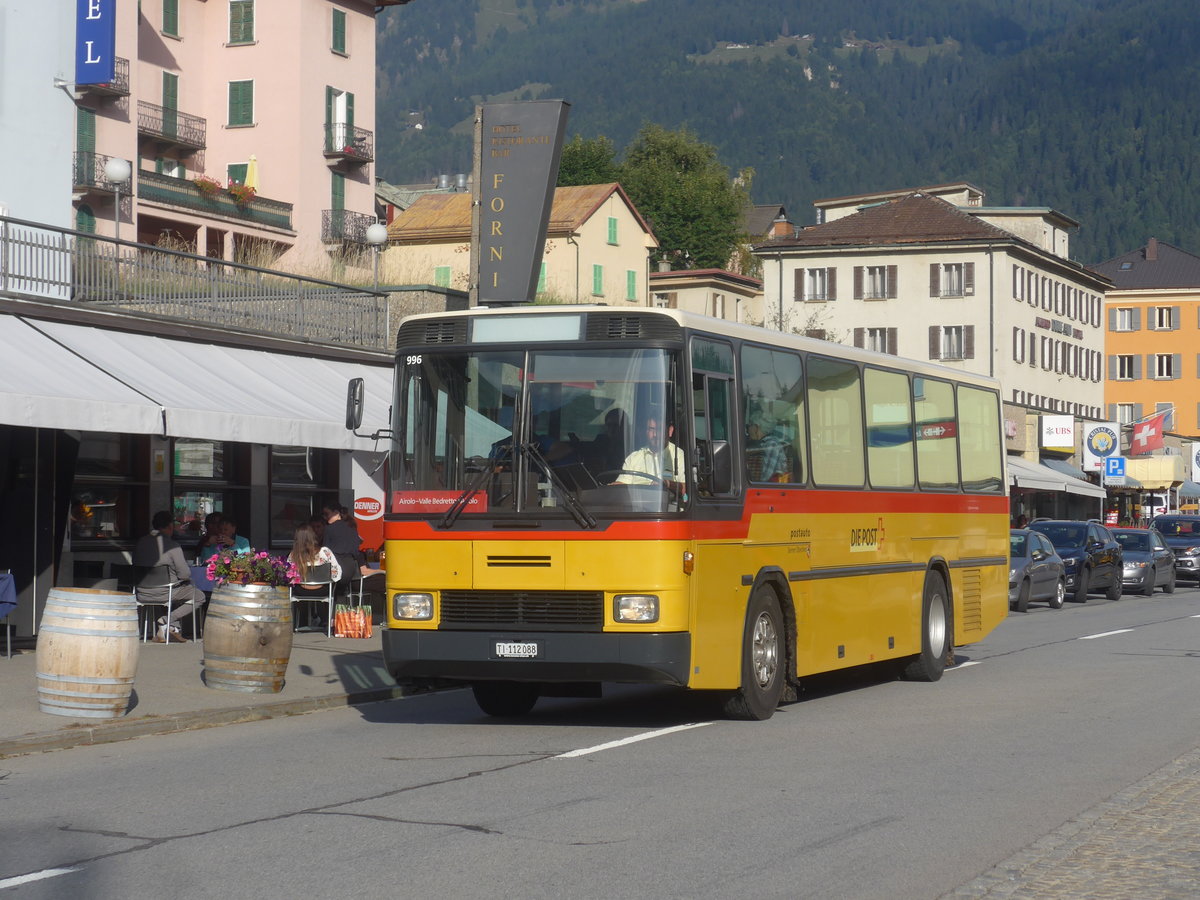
[(1114, 467)]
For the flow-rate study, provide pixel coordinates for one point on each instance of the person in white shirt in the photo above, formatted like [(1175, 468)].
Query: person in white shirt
[(660, 459)]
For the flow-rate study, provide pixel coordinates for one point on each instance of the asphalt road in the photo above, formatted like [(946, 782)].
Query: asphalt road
[(868, 788)]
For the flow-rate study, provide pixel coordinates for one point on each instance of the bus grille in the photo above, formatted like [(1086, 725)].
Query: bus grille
[(972, 600), (619, 327), (527, 610), (433, 331)]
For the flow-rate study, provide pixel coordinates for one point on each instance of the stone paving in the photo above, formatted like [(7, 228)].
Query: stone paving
[(1143, 842)]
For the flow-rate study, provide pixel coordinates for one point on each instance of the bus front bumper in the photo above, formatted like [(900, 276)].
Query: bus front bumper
[(560, 656)]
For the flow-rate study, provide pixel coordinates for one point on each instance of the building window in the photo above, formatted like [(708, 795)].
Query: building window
[(598, 280), (612, 230), (1125, 367), (541, 283), (718, 306), (630, 283), (236, 172), (441, 276), (1166, 318), (241, 103), (241, 21), (952, 342), (339, 120), (1165, 366), (1125, 319), (303, 479), (170, 18), (1169, 409), (951, 279), (338, 41), (208, 476), (1126, 414), (110, 491), (816, 285), (874, 282)]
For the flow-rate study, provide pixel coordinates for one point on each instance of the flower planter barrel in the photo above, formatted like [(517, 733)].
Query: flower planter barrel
[(87, 652), (247, 638)]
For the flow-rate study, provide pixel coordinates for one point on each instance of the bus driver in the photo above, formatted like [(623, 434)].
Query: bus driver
[(662, 464)]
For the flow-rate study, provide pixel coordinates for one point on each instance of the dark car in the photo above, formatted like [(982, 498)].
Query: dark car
[(1091, 556), (1182, 534), (1148, 561), (1036, 571)]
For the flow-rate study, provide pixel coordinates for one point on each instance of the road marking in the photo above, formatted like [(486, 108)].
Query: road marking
[(963, 665), (1092, 637), (34, 876), (629, 740)]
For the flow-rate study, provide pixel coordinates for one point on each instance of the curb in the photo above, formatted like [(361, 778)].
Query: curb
[(110, 732)]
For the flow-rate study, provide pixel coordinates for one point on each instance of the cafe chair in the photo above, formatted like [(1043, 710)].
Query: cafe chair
[(7, 627), (318, 577), (148, 577)]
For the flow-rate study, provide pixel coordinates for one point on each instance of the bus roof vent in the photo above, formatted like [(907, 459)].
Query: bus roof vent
[(433, 331), (618, 327)]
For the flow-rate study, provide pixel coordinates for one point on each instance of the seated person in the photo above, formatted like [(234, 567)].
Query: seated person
[(159, 548), (308, 553), (661, 460), (770, 450)]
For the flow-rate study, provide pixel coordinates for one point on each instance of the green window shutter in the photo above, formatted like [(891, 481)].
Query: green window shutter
[(330, 94), (158, 165), (441, 276), (236, 172), (85, 130), (85, 219), (598, 280), (241, 103), (339, 31), (541, 285), (337, 191), (170, 18), (630, 285), (612, 230), (241, 21), (170, 102), (349, 114)]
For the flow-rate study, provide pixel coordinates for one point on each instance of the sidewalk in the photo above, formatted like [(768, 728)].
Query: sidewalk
[(169, 694)]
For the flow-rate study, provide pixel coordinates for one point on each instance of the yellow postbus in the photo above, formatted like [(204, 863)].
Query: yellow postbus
[(579, 495)]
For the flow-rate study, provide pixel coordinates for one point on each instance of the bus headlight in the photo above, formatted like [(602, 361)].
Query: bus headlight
[(412, 606), (635, 608)]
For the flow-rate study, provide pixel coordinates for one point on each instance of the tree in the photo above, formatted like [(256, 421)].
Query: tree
[(586, 161), (679, 185)]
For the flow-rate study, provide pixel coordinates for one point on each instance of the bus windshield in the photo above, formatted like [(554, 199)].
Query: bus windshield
[(539, 433)]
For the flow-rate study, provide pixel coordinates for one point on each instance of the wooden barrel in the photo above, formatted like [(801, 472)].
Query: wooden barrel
[(247, 638), (87, 653)]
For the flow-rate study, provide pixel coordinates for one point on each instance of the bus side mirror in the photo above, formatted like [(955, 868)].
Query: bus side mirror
[(355, 392), (716, 467)]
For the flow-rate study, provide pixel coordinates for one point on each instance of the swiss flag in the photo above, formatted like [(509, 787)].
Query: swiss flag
[(1147, 436)]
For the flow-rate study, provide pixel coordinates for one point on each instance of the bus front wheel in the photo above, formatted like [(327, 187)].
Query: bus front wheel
[(505, 698), (929, 664), (764, 654)]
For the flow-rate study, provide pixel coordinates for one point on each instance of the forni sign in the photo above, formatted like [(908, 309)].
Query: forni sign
[(95, 41)]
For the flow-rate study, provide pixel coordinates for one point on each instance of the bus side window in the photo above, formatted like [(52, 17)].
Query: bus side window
[(773, 439)]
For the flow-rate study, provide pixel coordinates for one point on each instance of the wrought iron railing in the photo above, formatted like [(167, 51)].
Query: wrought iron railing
[(183, 192), (349, 142), (59, 263), (118, 87), (88, 171), (167, 124), (343, 225)]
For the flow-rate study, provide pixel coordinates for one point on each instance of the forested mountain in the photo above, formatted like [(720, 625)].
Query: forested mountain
[(1091, 107)]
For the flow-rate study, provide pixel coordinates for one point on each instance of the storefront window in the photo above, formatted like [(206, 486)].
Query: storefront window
[(109, 489), (207, 477), (303, 479)]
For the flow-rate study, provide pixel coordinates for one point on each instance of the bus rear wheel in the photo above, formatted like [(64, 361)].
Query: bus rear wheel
[(505, 698), (929, 664), (764, 654)]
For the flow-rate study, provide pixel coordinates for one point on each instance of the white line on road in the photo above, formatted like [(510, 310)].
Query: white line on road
[(629, 740), (33, 876), (1092, 637), (963, 665)]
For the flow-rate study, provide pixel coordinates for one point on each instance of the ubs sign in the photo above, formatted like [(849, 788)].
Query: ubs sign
[(519, 151)]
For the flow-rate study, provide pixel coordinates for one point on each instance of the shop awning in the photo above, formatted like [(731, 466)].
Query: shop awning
[(1064, 467), (1189, 489), (98, 379), (1038, 477)]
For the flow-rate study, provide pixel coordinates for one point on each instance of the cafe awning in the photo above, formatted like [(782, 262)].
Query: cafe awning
[(1189, 489), (59, 374), (1038, 477)]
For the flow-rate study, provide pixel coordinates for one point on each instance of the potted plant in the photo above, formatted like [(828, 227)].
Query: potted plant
[(241, 193), (207, 187), (248, 628)]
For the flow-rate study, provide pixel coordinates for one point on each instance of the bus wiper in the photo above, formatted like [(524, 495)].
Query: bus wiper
[(481, 483), (581, 516)]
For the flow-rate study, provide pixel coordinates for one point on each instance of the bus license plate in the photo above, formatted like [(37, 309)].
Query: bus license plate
[(517, 650)]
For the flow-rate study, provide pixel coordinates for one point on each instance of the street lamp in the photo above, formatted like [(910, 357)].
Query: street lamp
[(117, 172), (377, 236)]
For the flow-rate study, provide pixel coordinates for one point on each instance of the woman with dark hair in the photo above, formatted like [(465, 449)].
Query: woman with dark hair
[(341, 536), (308, 553)]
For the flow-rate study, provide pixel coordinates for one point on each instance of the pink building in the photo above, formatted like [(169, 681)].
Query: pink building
[(274, 96)]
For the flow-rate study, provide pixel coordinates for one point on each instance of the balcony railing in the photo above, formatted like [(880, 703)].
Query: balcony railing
[(171, 126), (47, 261), (118, 87), (341, 225), (182, 192), (87, 172), (349, 143)]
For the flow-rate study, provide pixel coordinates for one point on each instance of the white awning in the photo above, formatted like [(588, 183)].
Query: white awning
[(1037, 477), (91, 377)]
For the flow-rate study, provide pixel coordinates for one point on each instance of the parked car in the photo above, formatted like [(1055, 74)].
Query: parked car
[(1036, 571), (1148, 561), (1091, 556), (1182, 534)]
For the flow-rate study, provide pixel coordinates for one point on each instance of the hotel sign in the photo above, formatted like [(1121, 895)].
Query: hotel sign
[(95, 41), (519, 149)]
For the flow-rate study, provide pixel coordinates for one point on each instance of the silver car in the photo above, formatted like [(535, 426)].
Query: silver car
[(1037, 571)]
